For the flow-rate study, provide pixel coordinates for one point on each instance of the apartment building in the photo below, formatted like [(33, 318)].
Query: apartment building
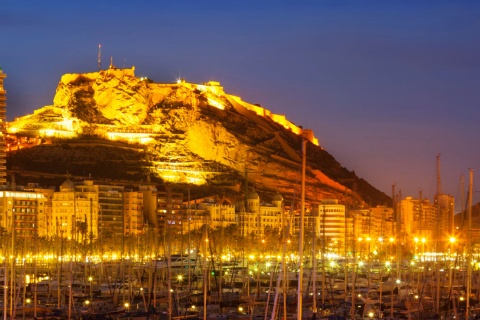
[(19, 212)]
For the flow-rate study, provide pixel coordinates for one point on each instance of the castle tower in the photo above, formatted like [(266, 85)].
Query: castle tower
[(3, 117)]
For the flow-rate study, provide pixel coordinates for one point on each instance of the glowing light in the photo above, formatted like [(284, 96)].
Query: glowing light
[(216, 104), (146, 140), (48, 132)]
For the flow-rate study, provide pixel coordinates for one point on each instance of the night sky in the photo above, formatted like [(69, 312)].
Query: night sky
[(384, 85)]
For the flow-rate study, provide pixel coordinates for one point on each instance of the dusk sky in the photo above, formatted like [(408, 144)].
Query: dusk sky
[(384, 85)]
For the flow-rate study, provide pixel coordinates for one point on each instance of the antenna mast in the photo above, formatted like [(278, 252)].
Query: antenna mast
[(99, 56), (439, 180)]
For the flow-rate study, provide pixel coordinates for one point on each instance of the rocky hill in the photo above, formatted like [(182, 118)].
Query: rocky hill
[(112, 125)]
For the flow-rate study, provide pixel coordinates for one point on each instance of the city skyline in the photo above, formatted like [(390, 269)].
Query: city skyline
[(384, 87)]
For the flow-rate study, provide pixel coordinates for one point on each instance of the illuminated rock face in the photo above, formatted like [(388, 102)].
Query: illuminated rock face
[(192, 133)]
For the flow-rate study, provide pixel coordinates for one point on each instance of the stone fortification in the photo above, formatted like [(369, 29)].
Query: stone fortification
[(193, 133), (122, 101)]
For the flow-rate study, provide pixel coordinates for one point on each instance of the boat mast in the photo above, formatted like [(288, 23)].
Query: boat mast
[(469, 243), (394, 210), (300, 237), (437, 240)]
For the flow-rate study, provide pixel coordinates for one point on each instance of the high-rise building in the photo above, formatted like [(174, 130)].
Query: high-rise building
[(418, 217), (133, 212), (445, 212), (19, 212), (44, 219), (169, 210), (110, 205), (3, 118), (331, 221)]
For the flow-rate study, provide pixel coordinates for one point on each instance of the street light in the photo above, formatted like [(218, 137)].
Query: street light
[(90, 279)]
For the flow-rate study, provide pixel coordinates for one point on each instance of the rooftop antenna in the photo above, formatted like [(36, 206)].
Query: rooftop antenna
[(99, 56)]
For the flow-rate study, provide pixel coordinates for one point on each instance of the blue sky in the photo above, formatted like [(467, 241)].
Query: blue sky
[(385, 85)]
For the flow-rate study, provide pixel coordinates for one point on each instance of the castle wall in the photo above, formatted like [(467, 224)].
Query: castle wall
[(212, 87), (278, 118)]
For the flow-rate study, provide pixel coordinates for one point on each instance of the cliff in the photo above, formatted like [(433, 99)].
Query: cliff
[(178, 133)]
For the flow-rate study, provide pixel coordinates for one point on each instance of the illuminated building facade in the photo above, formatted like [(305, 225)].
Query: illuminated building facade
[(20, 210), (149, 193), (370, 229), (418, 217), (133, 212), (256, 216), (331, 222), (74, 213), (214, 214), (382, 222), (110, 206), (446, 207), (44, 220), (169, 210), (3, 117)]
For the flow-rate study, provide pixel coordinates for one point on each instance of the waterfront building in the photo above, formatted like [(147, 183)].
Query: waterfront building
[(19, 212), (149, 193), (446, 208), (361, 223), (255, 217), (331, 222), (44, 220), (169, 210), (3, 117), (382, 223), (74, 212), (214, 214), (110, 206), (419, 218), (133, 212)]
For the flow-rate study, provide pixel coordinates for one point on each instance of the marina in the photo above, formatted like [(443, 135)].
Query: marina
[(246, 288)]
